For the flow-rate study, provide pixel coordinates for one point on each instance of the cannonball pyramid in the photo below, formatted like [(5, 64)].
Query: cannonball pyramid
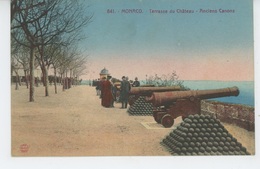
[(202, 135), (141, 108)]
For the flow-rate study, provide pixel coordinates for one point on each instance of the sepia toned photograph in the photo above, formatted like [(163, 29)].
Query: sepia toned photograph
[(132, 78)]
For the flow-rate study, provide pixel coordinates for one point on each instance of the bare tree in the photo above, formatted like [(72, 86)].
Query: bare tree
[(61, 25), (23, 17), (18, 6), (14, 63), (23, 58), (77, 66), (44, 22), (15, 66), (69, 59)]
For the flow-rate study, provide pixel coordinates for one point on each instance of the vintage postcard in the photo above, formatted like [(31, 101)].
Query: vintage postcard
[(126, 78)]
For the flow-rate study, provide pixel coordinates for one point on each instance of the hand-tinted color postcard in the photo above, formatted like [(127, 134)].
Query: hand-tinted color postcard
[(132, 78)]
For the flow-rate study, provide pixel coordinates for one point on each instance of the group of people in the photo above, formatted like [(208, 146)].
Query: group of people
[(107, 91)]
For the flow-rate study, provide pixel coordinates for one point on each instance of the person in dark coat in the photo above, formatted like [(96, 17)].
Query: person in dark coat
[(124, 92), (106, 93), (114, 90), (136, 83), (98, 87)]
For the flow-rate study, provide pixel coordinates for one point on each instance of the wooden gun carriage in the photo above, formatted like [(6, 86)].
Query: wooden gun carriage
[(170, 105)]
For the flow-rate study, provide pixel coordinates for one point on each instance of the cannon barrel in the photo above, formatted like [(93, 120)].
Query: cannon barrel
[(164, 98), (147, 91), (147, 85)]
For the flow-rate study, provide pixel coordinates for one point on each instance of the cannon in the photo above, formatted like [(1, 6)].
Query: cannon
[(147, 85), (136, 92), (167, 106)]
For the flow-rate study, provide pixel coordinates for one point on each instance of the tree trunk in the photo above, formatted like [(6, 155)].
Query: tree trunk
[(26, 79), (44, 72), (31, 98), (45, 77), (55, 79), (17, 81), (47, 84), (66, 80), (63, 81), (70, 78)]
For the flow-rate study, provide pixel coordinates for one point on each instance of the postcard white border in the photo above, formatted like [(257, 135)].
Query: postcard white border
[(8, 162)]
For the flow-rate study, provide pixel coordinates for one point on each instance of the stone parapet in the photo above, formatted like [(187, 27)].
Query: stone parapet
[(237, 114)]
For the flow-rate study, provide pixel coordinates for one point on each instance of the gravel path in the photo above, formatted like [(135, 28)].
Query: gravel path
[(73, 123)]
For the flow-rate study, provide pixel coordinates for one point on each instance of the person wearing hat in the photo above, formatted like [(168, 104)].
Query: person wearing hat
[(124, 92), (136, 83), (106, 93)]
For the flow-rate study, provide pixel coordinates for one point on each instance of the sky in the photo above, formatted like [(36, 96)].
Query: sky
[(198, 45)]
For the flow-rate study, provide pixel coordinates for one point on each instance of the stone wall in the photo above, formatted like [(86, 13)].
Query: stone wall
[(240, 115)]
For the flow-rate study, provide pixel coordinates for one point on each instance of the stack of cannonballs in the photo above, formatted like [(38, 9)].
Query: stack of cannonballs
[(202, 135), (141, 108)]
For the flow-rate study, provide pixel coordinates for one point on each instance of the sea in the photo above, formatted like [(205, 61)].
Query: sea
[(246, 89)]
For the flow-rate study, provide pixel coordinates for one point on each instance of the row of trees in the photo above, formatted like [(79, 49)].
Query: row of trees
[(46, 34)]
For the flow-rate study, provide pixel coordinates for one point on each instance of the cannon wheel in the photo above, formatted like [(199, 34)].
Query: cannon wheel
[(158, 116), (167, 121)]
